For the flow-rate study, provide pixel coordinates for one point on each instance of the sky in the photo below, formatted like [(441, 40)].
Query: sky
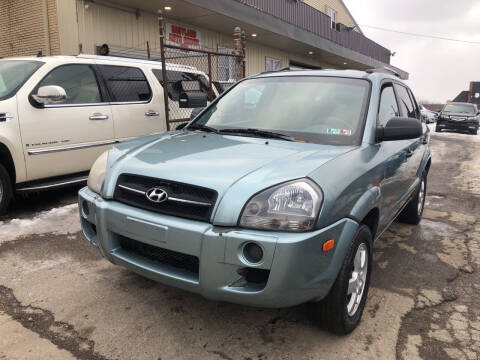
[(438, 69)]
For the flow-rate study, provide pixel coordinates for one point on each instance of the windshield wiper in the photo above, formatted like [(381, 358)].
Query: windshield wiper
[(202, 127), (257, 133)]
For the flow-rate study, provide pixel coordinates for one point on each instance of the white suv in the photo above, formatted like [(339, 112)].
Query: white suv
[(58, 114)]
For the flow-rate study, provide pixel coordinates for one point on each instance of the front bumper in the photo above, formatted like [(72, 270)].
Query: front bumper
[(293, 270), (465, 125)]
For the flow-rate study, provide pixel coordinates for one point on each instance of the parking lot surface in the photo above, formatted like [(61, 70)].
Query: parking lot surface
[(59, 299)]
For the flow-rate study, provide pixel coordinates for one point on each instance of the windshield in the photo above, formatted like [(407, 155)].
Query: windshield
[(13, 74), (322, 110), (459, 108)]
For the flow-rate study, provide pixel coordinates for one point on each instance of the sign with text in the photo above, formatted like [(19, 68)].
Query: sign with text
[(181, 35)]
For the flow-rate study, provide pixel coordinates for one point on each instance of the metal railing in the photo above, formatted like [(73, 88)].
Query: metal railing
[(308, 18)]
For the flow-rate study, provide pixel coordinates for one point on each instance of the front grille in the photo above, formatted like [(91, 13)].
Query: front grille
[(175, 259), (184, 200)]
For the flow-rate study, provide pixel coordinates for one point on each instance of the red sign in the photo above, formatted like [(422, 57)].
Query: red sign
[(182, 36)]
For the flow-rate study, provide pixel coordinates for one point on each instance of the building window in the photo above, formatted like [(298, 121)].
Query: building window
[(226, 65), (333, 17), (272, 64)]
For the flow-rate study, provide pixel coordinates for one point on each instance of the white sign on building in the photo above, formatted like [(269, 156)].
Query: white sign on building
[(184, 36)]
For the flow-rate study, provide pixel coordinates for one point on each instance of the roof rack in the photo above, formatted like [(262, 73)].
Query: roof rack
[(274, 71), (384, 70), (134, 60)]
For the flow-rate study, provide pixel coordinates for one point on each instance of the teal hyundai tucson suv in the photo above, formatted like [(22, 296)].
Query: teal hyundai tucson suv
[(271, 196)]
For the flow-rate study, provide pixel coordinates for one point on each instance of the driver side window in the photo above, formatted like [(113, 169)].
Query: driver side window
[(77, 80), (388, 105)]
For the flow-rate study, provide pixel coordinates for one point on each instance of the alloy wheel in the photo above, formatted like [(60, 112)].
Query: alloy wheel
[(358, 279), (421, 197)]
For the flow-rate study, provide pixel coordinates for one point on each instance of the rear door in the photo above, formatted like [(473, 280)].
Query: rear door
[(65, 138), (414, 153), (137, 104)]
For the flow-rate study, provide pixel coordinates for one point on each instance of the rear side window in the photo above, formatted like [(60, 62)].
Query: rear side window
[(180, 81), (406, 105), (79, 82), (126, 84), (388, 105)]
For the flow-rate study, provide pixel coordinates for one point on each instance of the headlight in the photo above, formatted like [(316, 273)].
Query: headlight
[(291, 206), (97, 173)]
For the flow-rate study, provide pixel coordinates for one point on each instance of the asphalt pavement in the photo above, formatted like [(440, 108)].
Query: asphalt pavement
[(59, 299)]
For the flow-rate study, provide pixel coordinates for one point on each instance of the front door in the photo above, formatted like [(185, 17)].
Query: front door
[(65, 138)]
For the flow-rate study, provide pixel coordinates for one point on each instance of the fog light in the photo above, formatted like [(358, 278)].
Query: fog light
[(85, 209), (253, 253)]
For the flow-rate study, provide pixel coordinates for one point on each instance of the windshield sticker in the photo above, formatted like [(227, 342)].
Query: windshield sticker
[(333, 131), (3, 87)]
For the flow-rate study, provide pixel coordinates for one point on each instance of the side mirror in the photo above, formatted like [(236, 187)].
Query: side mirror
[(51, 94), (181, 126), (193, 99), (195, 112), (399, 128)]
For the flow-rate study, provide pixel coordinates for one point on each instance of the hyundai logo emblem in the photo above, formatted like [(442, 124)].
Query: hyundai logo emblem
[(156, 195)]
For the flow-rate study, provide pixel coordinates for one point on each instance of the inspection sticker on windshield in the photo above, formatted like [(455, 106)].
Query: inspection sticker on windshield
[(333, 131)]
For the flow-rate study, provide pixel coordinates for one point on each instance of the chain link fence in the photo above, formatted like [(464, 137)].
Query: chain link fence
[(188, 68), (195, 70)]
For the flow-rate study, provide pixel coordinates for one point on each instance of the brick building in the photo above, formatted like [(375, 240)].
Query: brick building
[(281, 33), (472, 95)]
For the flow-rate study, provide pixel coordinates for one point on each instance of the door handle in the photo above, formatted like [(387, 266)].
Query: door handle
[(152, 113), (4, 117), (409, 153), (98, 116)]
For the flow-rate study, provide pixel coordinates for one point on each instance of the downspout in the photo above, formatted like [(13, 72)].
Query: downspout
[(46, 27)]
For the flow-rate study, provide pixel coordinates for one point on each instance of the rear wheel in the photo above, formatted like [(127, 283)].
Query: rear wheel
[(5, 190), (412, 214), (341, 311)]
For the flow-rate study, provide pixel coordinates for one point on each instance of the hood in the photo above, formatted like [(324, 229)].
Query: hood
[(457, 115), (217, 161)]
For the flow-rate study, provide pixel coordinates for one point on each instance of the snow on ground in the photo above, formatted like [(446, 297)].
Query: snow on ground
[(62, 220)]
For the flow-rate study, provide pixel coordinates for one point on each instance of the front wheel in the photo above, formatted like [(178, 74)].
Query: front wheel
[(5, 190), (341, 311)]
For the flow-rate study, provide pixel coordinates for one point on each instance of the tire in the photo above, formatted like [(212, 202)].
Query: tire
[(5, 190), (474, 132), (437, 129), (335, 312), (412, 214)]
